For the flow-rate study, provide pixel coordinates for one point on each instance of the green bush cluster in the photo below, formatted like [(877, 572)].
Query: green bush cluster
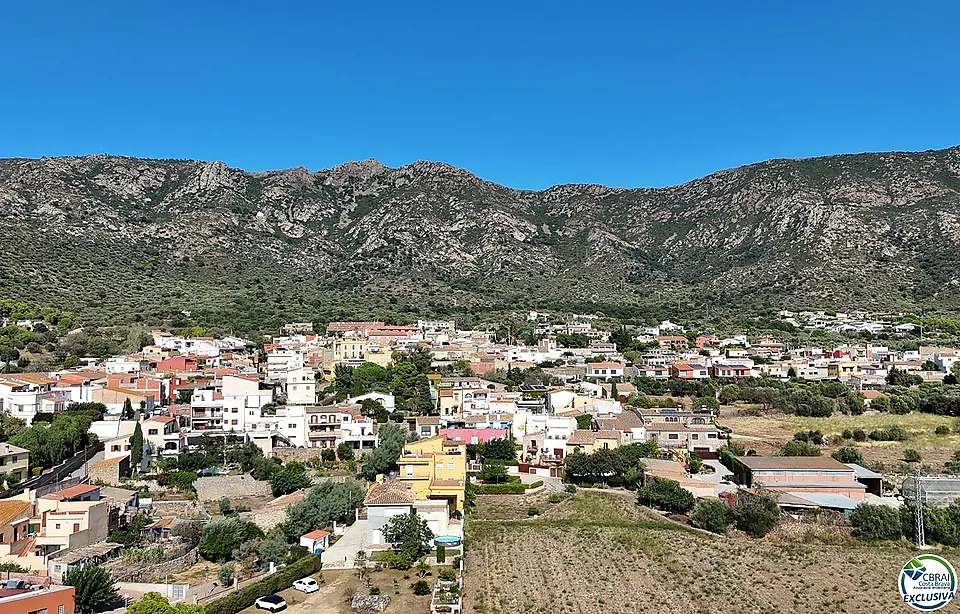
[(894, 433), (281, 579)]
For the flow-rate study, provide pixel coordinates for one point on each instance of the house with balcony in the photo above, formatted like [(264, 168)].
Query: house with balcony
[(300, 386), (14, 462), (683, 370), (325, 423), (22, 395), (206, 409), (604, 370), (585, 441), (163, 434), (33, 528), (435, 469), (703, 439)]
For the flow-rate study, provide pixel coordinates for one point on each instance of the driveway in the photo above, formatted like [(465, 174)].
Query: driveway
[(714, 478), (342, 554)]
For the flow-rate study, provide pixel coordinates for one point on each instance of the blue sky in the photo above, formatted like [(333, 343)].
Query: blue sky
[(528, 94)]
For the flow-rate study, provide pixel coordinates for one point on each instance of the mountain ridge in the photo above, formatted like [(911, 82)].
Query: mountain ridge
[(153, 238)]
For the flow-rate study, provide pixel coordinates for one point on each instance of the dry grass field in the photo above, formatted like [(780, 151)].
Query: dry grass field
[(770, 430), (598, 552)]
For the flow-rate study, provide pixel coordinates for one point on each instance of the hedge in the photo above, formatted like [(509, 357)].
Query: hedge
[(277, 581), (513, 488)]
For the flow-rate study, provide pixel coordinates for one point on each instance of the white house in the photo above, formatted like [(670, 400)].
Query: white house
[(301, 386), (604, 370), (316, 541)]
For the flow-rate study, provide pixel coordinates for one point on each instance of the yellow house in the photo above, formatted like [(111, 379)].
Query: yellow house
[(843, 370), (589, 442), (349, 349), (435, 468)]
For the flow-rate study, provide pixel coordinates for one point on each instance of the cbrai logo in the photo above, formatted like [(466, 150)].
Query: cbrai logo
[(927, 582)]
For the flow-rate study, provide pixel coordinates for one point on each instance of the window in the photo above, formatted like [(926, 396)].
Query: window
[(14, 459), (711, 435), (291, 426), (58, 525), (76, 527), (60, 609), (694, 436), (439, 466), (605, 445), (673, 436), (152, 432), (40, 611), (233, 421), (449, 465), (408, 470)]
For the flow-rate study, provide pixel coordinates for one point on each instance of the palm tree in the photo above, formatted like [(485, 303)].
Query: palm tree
[(94, 588)]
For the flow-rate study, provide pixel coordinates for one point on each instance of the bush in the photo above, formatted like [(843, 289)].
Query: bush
[(275, 582), (814, 437), (756, 514), (848, 454), (798, 448), (859, 435), (224, 535), (846, 434), (373, 590), (420, 588), (665, 495), (911, 456), (943, 429), (226, 509), (447, 575), (713, 515), (555, 498), (894, 433), (875, 522), (534, 511), (570, 488), (183, 480), (536, 484), (441, 554)]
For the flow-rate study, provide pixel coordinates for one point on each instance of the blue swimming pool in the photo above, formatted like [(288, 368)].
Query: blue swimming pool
[(447, 540)]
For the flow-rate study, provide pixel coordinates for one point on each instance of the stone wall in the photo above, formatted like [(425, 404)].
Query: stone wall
[(296, 454), (156, 571), (217, 487), (178, 509)]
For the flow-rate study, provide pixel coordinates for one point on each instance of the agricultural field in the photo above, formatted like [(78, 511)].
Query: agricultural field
[(599, 552), (770, 430)]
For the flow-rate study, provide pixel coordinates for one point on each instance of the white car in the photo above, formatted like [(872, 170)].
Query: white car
[(307, 585), (271, 603)]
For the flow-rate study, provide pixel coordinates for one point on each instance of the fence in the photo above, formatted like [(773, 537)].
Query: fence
[(173, 592)]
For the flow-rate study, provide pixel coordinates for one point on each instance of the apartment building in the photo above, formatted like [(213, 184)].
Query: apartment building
[(14, 462), (435, 469)]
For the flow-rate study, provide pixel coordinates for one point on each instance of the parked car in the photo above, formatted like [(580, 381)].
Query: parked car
[(271, 603), (307, 585), (726, 429)]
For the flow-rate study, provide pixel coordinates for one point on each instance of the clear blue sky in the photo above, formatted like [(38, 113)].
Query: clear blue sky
[(524, 93)]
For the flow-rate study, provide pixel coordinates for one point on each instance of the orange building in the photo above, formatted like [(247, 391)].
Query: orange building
[(53, 600)]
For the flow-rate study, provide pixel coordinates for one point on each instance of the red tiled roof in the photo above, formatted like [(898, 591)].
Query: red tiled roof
[(72, 491), (316, 534)]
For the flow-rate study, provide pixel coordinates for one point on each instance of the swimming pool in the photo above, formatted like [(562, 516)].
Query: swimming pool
[(447, 540)]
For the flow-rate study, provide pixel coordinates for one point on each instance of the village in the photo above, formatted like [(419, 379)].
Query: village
[(357, 466)]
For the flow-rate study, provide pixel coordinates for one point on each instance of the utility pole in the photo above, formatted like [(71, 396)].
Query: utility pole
[(918, 510)]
